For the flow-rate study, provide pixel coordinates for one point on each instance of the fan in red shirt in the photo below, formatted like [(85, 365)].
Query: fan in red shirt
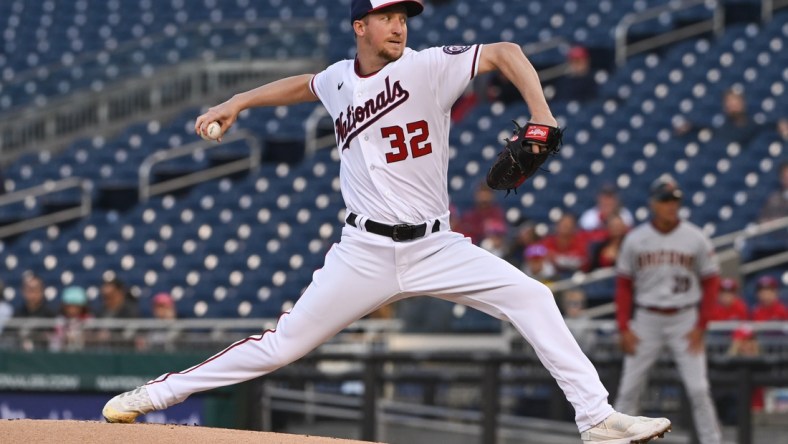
[(729, 307), (485, 209), (769, 307), (567, 247)]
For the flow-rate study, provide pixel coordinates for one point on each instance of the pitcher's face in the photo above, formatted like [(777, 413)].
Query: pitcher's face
[(386, 32)]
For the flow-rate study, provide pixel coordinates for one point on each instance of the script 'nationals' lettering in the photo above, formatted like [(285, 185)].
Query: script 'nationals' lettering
[(373, 109)]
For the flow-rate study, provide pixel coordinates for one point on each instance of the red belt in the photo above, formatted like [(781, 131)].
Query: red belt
[(665, 310)]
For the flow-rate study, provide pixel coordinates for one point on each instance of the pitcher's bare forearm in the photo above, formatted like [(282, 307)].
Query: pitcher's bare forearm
[(509, 59), (287, 91)]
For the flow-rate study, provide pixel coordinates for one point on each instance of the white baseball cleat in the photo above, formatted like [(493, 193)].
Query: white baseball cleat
[(619, 428), (125, 407)]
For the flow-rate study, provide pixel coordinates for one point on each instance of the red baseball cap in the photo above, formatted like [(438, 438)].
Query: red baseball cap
[(577, 52), (535, 250), (728, 284), (163, 299), (767, 282)]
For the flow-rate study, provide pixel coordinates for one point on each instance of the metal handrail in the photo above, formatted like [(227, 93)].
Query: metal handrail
[(215, 326), (552, 72), (623, 49), (149, 41), (751, 231), (80, 210), (311, 142), (769, 6), (90, 113), (146, 189)]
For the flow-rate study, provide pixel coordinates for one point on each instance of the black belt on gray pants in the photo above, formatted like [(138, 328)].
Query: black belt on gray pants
[(399, 232)]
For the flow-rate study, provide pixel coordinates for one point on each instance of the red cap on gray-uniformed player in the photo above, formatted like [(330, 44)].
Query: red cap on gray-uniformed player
[(360, 8)]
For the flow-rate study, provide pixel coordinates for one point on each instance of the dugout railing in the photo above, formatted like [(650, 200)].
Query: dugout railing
[(489, 373)]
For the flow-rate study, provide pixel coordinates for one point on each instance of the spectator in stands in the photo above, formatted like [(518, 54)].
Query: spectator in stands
[(573, 307), (607, 205), (69, 331), (605, 252), (578, 82), (729, 306), (116, 302), (744, 342), (6, 311), (782, 128), (537, 264), (163, 308), (735, 125), (525, 237), (34, 303), (776, 205), (744, 346), (494, 237), (485, 209), (454, 217), (769, 307), (567, 247)]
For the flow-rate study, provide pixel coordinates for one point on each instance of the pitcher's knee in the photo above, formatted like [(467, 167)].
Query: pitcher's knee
[(279, 358), (534, 289)]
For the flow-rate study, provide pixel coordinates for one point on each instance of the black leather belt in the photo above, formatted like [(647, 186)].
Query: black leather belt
[(666, 310), (399, 232)]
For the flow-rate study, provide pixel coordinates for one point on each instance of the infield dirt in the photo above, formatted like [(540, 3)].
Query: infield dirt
[(33, 431)]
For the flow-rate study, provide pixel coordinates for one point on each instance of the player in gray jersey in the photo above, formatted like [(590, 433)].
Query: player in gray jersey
[(668, 268)]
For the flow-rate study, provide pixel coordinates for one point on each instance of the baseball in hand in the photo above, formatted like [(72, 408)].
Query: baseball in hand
[(213, 132)]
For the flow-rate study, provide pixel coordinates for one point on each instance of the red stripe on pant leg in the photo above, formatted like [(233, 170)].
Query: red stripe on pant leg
[(218, 355)]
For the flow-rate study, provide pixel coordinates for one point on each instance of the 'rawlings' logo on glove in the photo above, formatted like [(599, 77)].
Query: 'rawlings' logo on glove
[(518, 161)]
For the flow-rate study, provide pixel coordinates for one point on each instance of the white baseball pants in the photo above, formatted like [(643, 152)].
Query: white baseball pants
[(366, 271), (655, 331)]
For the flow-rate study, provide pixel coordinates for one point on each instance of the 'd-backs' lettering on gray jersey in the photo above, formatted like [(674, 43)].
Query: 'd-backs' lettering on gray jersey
[(666, 268)]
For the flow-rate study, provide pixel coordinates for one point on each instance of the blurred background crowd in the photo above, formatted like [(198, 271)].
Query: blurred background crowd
[(709, 109)]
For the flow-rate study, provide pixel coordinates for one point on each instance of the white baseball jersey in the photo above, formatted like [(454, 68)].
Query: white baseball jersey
[(392, 153), (666, 268)]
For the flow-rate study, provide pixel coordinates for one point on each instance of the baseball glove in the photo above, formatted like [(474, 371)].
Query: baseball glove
[(517, 162)]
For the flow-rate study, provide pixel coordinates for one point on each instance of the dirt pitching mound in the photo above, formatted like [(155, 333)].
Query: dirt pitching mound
[(31, 431)]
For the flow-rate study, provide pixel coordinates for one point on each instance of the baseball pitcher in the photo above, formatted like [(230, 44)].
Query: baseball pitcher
[(391, 109)]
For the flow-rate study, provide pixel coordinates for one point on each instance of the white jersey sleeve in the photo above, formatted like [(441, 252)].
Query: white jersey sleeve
[(322, 82), (451, 69)]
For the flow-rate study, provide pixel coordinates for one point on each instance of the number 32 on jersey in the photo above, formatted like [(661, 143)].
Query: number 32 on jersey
[(413, 136)]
